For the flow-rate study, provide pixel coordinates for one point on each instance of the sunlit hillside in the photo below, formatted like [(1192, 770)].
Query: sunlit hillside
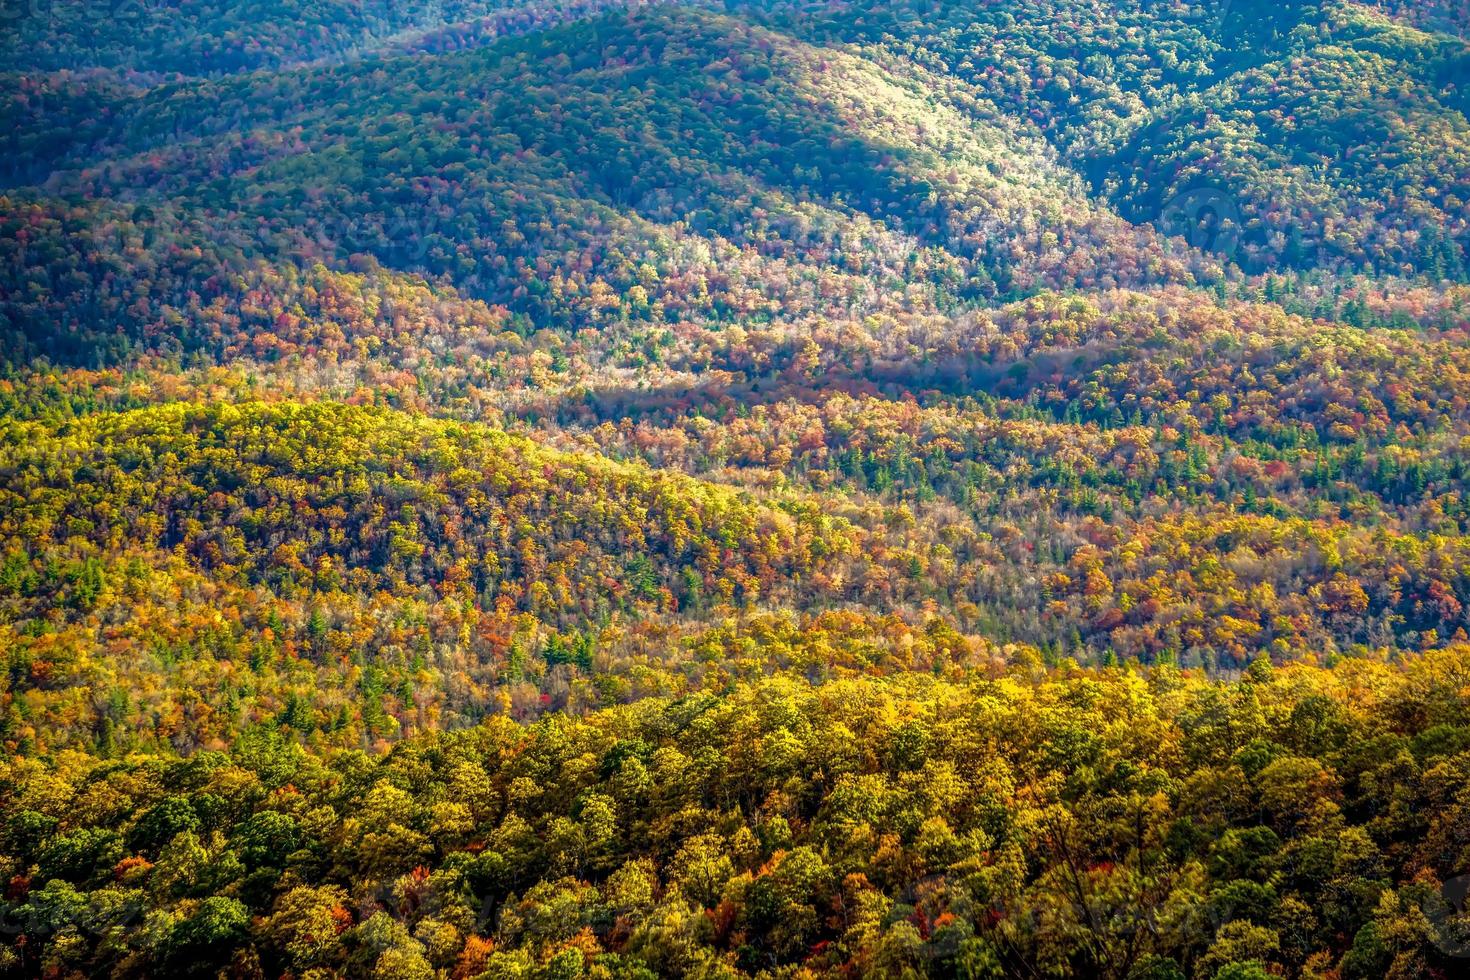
[(750, 489)]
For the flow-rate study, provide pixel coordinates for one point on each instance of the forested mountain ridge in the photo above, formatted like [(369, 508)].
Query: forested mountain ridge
[(747, 489), (807, 181)]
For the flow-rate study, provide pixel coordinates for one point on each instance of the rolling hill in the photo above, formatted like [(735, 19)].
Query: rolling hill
[(882, 488)]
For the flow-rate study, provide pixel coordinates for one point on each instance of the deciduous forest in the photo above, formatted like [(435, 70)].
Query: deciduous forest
[(746, 489)]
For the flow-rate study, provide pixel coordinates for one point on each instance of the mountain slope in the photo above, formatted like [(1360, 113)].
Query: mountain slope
[(711, 173), (132, 530), (892, 488)]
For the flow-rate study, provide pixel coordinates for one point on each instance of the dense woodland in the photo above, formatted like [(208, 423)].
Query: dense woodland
[(896, 488)]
